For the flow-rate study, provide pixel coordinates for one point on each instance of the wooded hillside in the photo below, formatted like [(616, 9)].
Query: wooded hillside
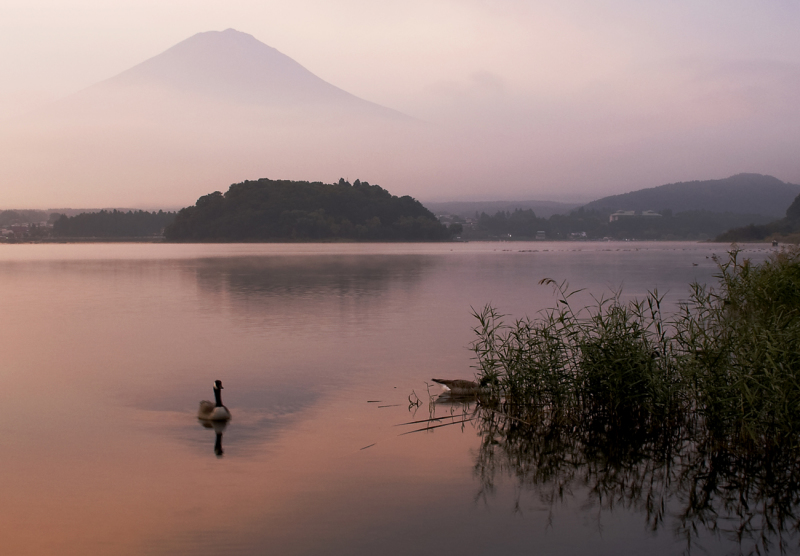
[(739, 194), (283, 210), (785, 229)]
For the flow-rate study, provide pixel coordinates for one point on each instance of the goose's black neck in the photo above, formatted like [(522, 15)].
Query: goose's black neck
[(218, 397)]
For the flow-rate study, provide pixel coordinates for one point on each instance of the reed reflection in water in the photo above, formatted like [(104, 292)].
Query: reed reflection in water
[(678, 474)]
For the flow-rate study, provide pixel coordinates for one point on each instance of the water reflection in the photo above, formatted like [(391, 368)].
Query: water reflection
[(135, 334), (219, 427), (305, 295), (260, 278), (459, 409), (677, 473)]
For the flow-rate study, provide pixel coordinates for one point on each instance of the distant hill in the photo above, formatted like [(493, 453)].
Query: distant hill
[(740, 194), (283, 210), (543, 209)]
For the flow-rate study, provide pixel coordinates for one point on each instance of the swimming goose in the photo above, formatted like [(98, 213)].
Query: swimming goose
[(460, 387), (210, 411)]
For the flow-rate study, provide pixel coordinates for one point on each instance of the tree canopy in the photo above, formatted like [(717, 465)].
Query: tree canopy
[(113, 223), (283, 210)]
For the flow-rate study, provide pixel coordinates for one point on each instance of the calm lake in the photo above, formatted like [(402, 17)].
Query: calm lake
[(108, 348)]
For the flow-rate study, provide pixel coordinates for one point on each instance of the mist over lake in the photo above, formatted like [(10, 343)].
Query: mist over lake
[(108, 349)]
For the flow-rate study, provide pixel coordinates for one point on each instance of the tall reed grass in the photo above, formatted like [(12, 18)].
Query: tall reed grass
[(729, 355)]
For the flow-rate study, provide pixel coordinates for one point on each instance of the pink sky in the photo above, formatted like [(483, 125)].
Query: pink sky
[(547, 100)]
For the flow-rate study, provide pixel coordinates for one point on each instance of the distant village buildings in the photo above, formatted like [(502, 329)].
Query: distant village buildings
[(633, 214), (16, 232)]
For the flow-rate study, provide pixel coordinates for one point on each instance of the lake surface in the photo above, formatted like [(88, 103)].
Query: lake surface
[(108, 348)]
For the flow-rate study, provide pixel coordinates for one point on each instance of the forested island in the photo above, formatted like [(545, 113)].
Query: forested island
[(283, 210)]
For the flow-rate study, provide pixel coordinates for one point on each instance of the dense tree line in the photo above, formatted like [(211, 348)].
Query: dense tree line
[(283, 210), (687, 225), (113, 223), (524, 224)]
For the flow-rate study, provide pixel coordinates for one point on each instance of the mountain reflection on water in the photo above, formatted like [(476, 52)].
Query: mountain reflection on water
[(680, 475)]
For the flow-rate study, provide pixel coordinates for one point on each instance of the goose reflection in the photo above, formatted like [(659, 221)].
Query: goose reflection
[(219, 428), (449, 398)]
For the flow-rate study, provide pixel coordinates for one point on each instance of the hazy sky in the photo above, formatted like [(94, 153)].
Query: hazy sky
[(613, 95)]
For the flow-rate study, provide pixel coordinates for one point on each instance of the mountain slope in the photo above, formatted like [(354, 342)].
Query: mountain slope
[(742, 193), (784, 230), (216, 108), (230, 66), (216, 75)]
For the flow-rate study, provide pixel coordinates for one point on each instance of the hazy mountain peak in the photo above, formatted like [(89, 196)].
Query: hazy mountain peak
[(217, 107), (236, 68)]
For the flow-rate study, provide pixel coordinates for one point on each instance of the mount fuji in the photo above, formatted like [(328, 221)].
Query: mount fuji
[(216, 108)]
